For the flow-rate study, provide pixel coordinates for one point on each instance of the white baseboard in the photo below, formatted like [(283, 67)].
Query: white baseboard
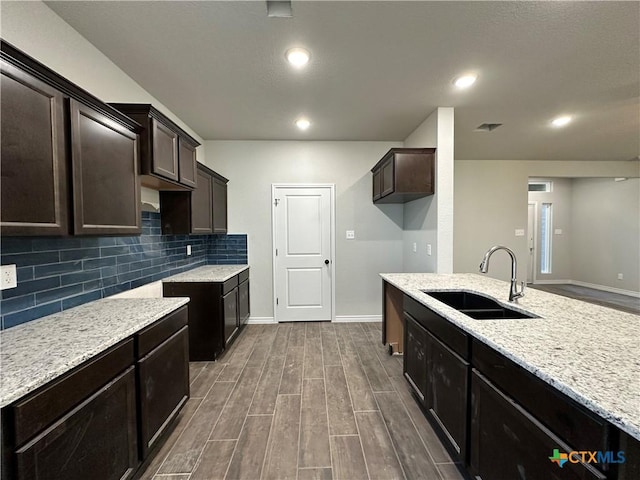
[(605, 288), (357, 318), (551, 282), (259, 320)]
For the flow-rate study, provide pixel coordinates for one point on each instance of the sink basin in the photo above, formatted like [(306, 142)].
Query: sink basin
[(477, 306)]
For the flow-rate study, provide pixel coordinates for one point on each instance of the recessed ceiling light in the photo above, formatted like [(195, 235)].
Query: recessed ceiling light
[(298, 57), (561, 121), (465, 81), (303, 123)]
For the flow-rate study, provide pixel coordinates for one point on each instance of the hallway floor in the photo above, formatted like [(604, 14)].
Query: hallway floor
[(625, 303), (302, 401)]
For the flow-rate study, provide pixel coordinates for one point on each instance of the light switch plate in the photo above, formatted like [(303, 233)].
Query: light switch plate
[(519, 232), (8, 277), (188, 250), (428, 249), (558, 231), (415, 247), (351, 234)]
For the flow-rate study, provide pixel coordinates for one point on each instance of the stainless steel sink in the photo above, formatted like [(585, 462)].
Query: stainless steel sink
[(477, 306)]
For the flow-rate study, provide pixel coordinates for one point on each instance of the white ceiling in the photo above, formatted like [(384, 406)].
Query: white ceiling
[(378, 69)]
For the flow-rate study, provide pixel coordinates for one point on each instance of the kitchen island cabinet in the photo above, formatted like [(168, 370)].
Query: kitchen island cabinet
[(82, 391), (218, 309), (63, 149), (510, 392)]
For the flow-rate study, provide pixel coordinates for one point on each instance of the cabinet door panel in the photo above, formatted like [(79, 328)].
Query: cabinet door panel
[(377, 186), (219, 206), (201, 204), (415, 357), (388, 180), (95, 440), (506, 442), (106, 189), (243, 302), (164, 386), (34, 157), (230, 306), (187, 156), (165, 150), (447, 395)]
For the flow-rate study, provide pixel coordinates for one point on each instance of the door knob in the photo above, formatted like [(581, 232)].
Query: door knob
[(326, 262)]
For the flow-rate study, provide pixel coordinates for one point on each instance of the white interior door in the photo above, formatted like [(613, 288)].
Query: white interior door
[(303, 254), (531, 238)]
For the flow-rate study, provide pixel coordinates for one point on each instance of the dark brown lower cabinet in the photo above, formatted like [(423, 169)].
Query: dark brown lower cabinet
[(96, 439), (508, 443), (447, 394), (243, 301), (415, 358), (217, 312), (230, 308), (163, 382)]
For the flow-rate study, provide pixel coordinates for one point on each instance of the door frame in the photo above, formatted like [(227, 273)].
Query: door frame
[(332, 225), (535, 241)]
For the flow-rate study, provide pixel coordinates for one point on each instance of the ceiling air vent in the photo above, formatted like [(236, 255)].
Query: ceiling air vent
[(488, 127), (279, 9)]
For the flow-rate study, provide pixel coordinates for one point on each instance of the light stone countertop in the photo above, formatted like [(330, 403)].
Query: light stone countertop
[(590, 353), (36, 352), (208, 273)]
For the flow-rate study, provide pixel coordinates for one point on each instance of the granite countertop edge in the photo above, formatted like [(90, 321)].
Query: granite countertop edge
[(629, 425), (207, 273), (24, 368)]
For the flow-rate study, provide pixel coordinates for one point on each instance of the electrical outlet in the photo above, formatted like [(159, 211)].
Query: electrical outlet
[(351, 234), (188, 249), (8, 277), (415, 247), (620, 276)]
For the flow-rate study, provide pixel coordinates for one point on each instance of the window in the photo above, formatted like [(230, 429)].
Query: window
[(546, 229), (540, 186)]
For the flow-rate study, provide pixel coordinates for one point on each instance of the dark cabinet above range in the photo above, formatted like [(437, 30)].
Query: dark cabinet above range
[(403, 175), (201, 211), (167, 152)]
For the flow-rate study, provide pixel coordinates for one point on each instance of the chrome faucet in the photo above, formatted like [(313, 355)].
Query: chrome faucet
[(514, 294)]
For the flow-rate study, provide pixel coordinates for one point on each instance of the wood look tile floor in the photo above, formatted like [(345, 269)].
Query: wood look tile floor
[(302, 401)]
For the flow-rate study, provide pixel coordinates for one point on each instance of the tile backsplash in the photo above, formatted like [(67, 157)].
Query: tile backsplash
[(56, 273)]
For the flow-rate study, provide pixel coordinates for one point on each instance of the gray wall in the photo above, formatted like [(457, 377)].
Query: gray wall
[(561, 262), (253, 166), (490, 202), (606, 232)]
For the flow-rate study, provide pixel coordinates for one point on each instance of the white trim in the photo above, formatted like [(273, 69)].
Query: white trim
[(629, 293), (534, 263), (260, 320), (332, 194), (357, 318), (552, 282)]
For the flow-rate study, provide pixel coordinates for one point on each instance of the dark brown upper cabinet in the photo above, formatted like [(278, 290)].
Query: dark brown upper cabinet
[(403, 175), (34, 166), (106, 190), (168, 153), (201, 211), (69, 161)]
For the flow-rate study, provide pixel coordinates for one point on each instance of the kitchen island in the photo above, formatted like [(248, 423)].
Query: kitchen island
[(585, 355)]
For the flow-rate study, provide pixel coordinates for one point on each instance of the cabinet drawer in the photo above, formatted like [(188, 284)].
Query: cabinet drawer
[(571, 422), (443, 329), (37, 411), (229, 285), (96, 440), (155, 334), (244, 275)]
